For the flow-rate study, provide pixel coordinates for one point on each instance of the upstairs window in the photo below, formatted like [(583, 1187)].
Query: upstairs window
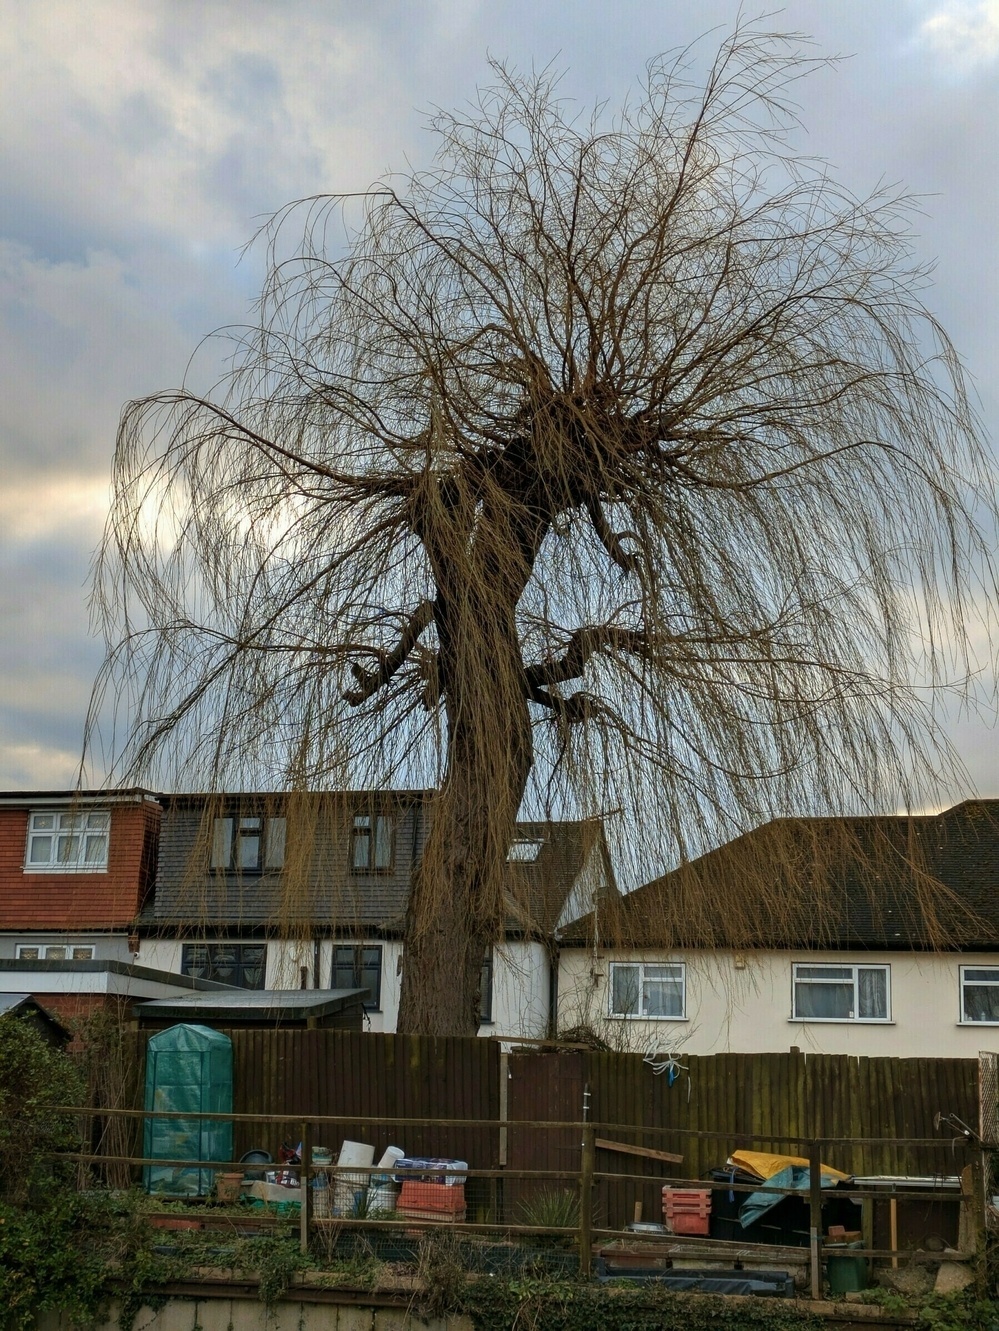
[(55, 952), (643, 989), (67, 842), (248, 845), (980, 994), (842, 993), (241, 964), (359, 968), (371, 843)]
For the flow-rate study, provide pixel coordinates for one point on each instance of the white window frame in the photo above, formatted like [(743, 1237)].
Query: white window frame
[(838, 978), (52, 824), (525, 850), (993, 983), (644, 968), (43, 950)]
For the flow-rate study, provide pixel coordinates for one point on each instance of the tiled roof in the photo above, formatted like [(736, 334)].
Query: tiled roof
[(320, 891), (895, 883)]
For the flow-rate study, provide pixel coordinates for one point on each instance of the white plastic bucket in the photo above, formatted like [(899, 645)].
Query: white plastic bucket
[(382, 1198), (388, 1160)]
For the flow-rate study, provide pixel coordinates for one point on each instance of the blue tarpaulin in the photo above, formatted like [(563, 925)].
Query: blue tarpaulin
[(794, 1176)]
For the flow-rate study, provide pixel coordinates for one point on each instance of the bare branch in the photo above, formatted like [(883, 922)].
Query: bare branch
[(370, 681)]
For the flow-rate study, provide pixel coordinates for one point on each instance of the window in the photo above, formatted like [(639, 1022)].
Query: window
[(248, 845), (842, 993), (241, 964), (640, 989), (67, 842), (524, 851), (980, 993), (55, 952), (371, 843), (486, 988), (359, 968)]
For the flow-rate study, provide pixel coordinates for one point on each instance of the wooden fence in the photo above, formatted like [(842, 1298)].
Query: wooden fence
[(766, 1101), (771, 1100)]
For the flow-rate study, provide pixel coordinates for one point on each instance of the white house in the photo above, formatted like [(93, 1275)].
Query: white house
[(885, 941)]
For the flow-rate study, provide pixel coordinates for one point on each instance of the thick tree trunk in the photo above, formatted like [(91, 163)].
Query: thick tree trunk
[(456, 906)]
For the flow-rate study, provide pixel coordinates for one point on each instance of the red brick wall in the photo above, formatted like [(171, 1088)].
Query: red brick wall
[(65, 901)]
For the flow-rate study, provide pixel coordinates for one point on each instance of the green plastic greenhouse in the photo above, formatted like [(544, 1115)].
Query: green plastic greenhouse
[(188, 1070)]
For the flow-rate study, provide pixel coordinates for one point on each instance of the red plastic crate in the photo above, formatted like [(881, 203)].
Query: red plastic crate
[(435, 1197), (696, 1201), (687, 1209)]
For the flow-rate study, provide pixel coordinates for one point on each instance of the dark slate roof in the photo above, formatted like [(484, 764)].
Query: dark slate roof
[(256, 1004), (317, 890), (316, 883), (891, 883)]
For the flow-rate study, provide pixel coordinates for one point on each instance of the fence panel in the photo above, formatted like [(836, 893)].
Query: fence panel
[(763, 1097)]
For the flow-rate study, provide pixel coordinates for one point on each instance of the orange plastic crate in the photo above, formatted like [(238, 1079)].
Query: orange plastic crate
[(687, 1209), (434, 1197), (692, 1201)]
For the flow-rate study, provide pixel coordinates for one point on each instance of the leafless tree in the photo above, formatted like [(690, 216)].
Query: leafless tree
[(613, 459)]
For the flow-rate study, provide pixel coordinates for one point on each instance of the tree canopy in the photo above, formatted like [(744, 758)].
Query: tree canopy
[(610, 461)]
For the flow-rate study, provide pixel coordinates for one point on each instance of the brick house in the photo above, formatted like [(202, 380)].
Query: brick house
[(75, 871)]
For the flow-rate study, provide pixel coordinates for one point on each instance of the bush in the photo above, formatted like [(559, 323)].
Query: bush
[(34, 1078)]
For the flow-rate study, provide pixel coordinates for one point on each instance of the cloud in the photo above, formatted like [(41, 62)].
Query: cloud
[(963, 33)]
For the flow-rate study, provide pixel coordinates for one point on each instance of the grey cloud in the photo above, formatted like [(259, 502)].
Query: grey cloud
[(143, 143)]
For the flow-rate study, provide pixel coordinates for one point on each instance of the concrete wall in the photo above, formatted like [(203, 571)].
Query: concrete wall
[(245, 1314), (741, 1003)]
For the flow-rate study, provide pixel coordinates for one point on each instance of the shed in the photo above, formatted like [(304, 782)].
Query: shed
[(28, 1009)]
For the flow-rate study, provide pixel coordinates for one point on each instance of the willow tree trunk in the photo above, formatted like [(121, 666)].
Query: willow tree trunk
[(456, 907)]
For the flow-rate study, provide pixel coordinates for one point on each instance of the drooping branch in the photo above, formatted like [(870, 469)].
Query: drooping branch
[(370, 681)]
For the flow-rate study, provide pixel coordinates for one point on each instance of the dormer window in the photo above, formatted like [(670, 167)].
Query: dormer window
[(524, 851), (74, 842), (371, 845), (248, 844)]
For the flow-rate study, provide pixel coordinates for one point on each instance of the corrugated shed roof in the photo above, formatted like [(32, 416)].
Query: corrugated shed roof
[(893, 883), (286, 1004)]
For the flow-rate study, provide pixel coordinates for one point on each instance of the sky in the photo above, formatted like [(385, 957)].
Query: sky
[(144, 142)]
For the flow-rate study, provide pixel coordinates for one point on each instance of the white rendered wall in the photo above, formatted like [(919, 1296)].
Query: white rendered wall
[(520, 978), (741, 1003)]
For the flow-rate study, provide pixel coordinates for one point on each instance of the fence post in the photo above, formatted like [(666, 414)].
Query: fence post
[(305, 1175), (586, 1200), (815, 1215)]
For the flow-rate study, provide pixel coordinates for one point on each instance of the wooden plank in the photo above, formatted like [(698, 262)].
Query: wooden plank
[(646, 1152)]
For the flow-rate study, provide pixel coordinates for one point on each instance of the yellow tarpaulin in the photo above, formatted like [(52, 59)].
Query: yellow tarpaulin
[(765, 1165)]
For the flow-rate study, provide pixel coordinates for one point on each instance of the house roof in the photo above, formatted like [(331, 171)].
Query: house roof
[(318, 890), (887, 883), (98, 977), (30, 799)]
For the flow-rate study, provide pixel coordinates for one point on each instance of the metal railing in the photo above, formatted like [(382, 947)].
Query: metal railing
[(585, 1176)]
